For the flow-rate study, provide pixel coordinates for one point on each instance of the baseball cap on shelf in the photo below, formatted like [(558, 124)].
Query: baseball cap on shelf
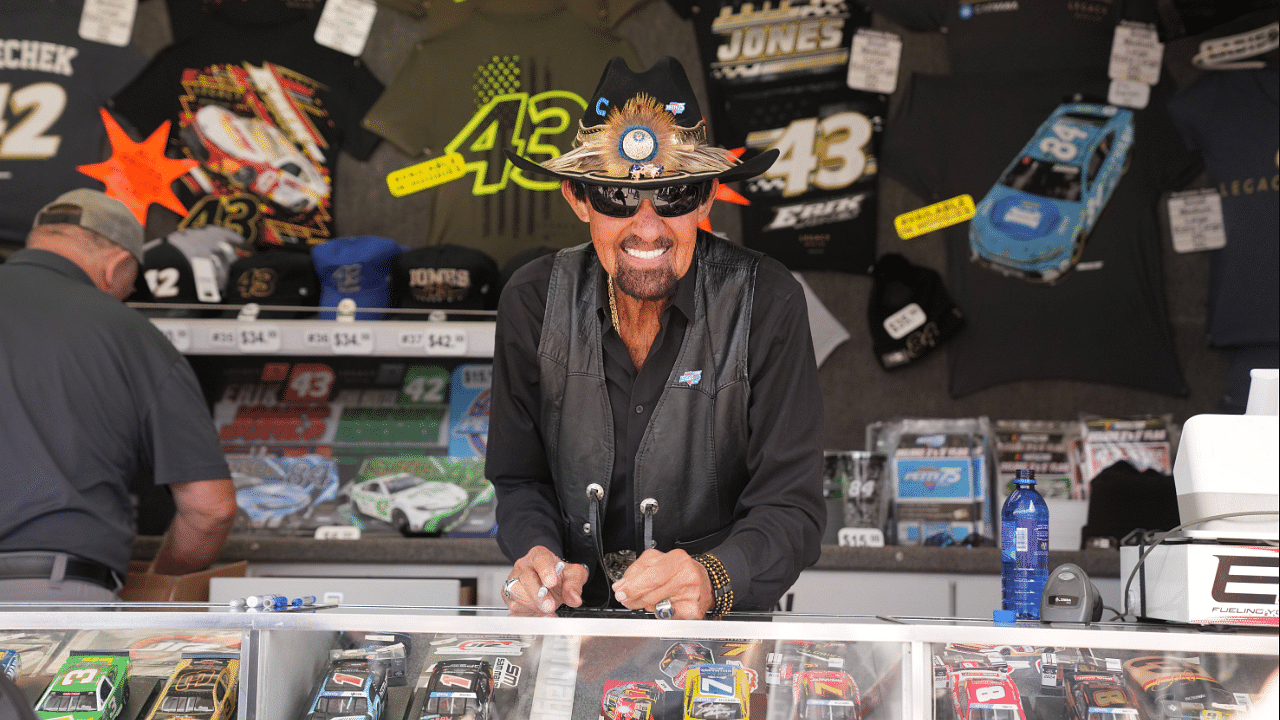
[(359, 268), (189, 267), (96, 211), (444, 277), (909, 312), (274, 277)]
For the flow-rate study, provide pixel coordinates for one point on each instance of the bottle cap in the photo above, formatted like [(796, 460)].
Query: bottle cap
[(1025, 476), (1004, 616)]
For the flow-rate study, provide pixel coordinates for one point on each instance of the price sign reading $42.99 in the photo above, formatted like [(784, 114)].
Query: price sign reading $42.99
[(445, 342)]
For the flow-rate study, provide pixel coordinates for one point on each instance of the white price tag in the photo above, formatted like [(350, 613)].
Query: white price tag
[(1195, 220), (337, 532), (206, 280), (411, 339), (901, 323), (873, 61), (317, 338), (1129, 93), (176, 333), (1136, 52), (860, 537), (255, 338), (108, 21), (445, 342), (222, 338), (344, 25), (351, 341)]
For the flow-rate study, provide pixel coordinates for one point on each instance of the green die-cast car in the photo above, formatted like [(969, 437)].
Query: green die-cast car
[(90, 685)]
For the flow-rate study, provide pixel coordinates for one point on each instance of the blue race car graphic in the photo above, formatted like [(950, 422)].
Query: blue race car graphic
[(1033, 223)]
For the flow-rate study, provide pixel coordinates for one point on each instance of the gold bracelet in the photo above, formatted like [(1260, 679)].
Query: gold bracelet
[(721, 585)]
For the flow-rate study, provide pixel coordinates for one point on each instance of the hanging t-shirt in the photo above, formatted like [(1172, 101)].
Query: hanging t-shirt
[(265, 111), (514, 82), (1000, 35), (52, 83), (1106, 320), (776, 78), (1231, 117)]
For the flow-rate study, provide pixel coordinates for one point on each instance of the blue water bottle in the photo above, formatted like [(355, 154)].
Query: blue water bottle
[(1024, 548)]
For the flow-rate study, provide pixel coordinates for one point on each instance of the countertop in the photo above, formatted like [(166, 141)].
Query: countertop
[(467, 551)]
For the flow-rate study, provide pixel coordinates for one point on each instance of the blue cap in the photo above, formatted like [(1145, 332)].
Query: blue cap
[(359, 268), (1004, 616)]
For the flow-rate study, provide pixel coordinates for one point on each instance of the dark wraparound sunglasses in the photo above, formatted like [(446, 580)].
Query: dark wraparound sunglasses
[(623, 202)]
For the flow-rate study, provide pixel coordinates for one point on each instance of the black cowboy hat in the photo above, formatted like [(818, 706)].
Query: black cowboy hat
[(645, 130)]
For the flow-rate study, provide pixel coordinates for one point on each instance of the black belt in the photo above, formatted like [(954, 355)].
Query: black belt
[(40, 566)]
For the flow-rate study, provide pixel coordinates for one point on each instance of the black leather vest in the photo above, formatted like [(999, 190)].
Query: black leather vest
[(692, 457)]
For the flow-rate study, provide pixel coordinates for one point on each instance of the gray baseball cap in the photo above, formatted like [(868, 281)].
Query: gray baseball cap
[(94, 210)]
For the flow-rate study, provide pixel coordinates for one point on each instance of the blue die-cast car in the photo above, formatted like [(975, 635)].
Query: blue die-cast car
[(1033, 223)]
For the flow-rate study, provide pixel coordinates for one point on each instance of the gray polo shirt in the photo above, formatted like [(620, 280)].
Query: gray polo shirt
[(91, 395)]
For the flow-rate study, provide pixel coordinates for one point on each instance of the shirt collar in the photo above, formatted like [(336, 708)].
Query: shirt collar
[(51, 261)]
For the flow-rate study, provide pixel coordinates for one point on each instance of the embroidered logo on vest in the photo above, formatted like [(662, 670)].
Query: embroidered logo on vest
[(691, 378)]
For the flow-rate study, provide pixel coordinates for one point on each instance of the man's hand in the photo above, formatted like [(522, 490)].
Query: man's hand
[(540, 582), (656, 576)]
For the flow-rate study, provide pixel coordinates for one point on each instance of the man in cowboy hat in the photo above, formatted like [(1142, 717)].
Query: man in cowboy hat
[(656, 430)]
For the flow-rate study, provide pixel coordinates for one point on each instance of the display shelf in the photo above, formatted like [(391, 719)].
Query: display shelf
[(378, 338), (558, 667)]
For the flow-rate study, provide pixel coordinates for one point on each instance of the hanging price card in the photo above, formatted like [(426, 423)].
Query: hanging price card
[(1136, 52), (1195, 220), (445, 342), (108, 21), (256, 339), (873, 61), (351, 341), (344, 25)]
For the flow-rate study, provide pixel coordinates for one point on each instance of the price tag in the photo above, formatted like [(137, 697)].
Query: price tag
[(445, 342), (317, 338), (934, 217), (873, 61), (1129, 93), (426, 174), (337, 532), (411, 339), (1195, 220), (255, 338), (225, 338), (351, 341), (106, 21), (176, 333), (344, 25), (901, 323), (860, 537), (1136, 52), (206, 280)]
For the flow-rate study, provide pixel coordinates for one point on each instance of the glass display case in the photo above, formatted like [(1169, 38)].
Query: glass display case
[(399, 663)]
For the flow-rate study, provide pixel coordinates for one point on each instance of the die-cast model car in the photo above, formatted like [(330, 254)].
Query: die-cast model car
[(256, 156), (1097, 695), (798, 655), (10, 663), (716, 692), (90, 685), (202, 687), (459, 690), (824, 695), (1034, 221), (631, 701), (350, 689), (984, 695), (1174, 688), (410, 503), (682, 655)]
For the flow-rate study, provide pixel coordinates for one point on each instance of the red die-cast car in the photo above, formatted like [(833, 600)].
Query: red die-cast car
[(1099, 696), (630, 700), (984, 695)]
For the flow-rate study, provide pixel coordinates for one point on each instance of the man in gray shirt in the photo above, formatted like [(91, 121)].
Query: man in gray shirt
[(91, 396)]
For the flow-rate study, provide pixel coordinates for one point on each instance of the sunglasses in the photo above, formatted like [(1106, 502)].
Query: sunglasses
[(623, 202)]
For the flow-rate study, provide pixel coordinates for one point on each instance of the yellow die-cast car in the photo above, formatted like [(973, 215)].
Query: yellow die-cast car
[(203, 686), (716, 692)]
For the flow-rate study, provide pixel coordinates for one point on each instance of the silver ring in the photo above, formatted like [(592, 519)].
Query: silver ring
[(663, 610), (506, 587)]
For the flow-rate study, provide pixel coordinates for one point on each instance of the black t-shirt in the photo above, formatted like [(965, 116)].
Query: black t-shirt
[(776, 79), (52, 83), (1231, 117), (998, 35), (265, 110), (1104, 322)]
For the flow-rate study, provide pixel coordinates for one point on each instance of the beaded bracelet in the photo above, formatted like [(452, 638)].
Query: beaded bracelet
[(721, 587)]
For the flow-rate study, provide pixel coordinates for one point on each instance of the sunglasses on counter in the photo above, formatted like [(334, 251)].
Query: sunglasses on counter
[(669, 201)]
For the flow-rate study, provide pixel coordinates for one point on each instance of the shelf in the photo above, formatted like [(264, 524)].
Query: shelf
[(327, 338)]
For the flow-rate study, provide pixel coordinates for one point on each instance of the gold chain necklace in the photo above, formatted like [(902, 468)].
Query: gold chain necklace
[(613, 309)]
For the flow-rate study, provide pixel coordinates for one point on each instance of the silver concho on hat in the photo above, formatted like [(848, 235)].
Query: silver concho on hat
[(638, 144)]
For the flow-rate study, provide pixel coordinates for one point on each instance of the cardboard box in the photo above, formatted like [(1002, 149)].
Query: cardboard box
[(145, 586)]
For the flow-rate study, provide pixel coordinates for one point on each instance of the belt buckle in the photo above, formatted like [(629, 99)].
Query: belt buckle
[(616, 563)]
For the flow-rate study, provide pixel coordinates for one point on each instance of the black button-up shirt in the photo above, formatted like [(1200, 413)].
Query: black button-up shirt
[(784, 496)]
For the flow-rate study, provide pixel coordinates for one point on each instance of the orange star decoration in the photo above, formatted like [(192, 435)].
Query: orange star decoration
[(138, 174), (727, 194)]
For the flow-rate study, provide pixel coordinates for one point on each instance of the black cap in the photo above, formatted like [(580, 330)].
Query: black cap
[(280, 277), (909, 312), (444, 277)]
